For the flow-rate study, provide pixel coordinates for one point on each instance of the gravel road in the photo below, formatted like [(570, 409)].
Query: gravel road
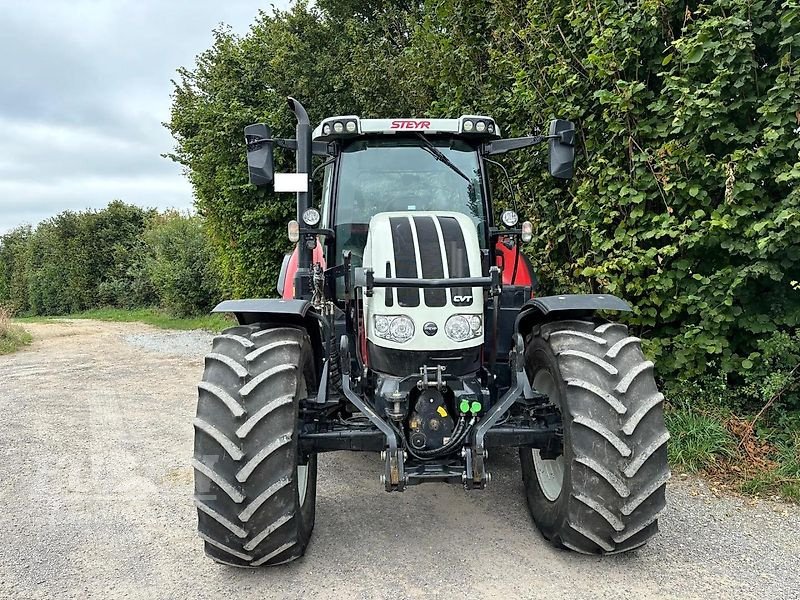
[(95, 488)]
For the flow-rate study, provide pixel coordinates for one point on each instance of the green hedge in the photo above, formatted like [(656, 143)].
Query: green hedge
[(179, 264), (122, 256), (686, 198)]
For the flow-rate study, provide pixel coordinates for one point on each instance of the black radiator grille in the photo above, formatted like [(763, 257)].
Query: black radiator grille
[(405, 260), (430, 259), (389, 296), (429, 248), (456, 251)]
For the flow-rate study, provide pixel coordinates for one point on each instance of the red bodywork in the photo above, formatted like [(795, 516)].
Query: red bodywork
[(291, 269), (505, 260)]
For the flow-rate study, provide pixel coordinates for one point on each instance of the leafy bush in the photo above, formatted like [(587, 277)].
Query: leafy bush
[(128, 285), (772, 372), (14, 256), (57, 268), (74, 260), (121, 256), (180, 264)]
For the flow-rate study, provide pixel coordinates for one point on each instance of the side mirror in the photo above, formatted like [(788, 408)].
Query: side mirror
[(258, 138), (562, 148)]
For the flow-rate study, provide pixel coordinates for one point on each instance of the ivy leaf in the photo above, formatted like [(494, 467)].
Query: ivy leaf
[(696, 55)]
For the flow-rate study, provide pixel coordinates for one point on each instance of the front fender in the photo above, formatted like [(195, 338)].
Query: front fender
[(276, 311), (258, 310), (566, 306)]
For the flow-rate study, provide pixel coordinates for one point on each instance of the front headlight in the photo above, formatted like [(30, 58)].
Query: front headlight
[(461, 328), (401, 329), (382, 325), (475, 324), (395, 328)]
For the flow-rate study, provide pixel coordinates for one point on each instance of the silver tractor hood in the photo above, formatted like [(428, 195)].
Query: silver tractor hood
[(426, 245)]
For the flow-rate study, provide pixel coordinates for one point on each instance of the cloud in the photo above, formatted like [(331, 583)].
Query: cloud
[(85, 88)]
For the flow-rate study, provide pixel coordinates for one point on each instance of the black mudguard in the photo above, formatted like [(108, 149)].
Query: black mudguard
[(567, 306), (261, 310), (276, 311)]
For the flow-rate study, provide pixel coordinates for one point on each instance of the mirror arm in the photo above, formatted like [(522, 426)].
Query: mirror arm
[(284, 143), (566, 137), (507, 145), (256, 144), (318, 148)]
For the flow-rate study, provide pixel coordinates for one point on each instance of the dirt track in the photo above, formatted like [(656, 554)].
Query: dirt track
[(95, 501)]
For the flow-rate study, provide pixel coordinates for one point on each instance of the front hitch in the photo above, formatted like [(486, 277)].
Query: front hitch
[(476, 476), (393, 477)]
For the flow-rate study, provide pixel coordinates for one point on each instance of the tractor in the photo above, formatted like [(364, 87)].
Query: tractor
[(408, 325)]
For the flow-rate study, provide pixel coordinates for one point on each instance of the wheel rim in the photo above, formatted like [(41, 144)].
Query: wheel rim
[(302, 483), (549, 473)]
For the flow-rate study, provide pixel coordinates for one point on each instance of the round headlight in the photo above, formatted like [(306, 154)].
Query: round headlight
[(509, 218), (475, 323), (457, 328), (311, 217), (338, 127), (401, 329), (326, 129), (468, 125), (381, 324), (480, 126), (490, 127), (351, 127)]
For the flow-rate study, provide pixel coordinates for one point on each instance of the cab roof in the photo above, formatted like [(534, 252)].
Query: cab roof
[(350, 126)]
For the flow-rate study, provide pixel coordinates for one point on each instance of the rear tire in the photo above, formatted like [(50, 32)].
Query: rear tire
[(605, 493), (255, 493)]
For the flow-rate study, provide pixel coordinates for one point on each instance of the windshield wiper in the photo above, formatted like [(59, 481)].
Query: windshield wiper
[(439, 155)]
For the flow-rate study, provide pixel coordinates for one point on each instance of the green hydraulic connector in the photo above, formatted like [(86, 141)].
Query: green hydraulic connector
[(463, 407), (475, 407)]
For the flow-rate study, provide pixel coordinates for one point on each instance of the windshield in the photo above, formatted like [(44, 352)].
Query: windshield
[(401, 175)]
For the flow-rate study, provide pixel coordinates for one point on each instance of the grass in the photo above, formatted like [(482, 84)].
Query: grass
[(766, 464), (12, 337), (697, 441), (151, 316), (784, 478)]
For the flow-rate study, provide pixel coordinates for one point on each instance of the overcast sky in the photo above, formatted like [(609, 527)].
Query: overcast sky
[(84, 88)]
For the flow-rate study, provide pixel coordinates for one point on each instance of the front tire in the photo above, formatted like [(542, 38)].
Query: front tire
[(606, 491), (254, 491)]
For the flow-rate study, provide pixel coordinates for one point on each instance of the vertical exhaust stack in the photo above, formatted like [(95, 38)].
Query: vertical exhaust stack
[(302, 280)]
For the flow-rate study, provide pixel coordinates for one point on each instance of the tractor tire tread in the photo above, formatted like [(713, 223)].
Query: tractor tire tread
[(618, 471), (246, 489)]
